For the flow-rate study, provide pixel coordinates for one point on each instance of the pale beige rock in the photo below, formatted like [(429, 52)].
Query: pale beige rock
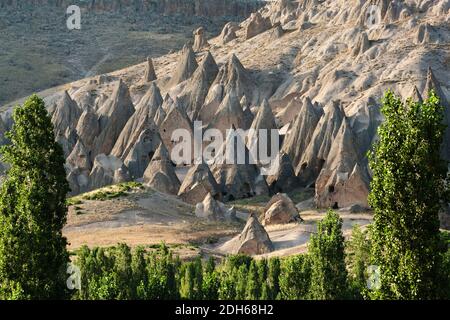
[(198, 183), (200, 41), (301, 133), (234, 172), (194, 94), (114, 115), (257, 25), (229, 32), (254, 239), (176, 119), (160, 173), (229, 114), (284, 180), (342, 182), (280, 210), (107, 170), (149, 74), (317, 151), (186, 66)]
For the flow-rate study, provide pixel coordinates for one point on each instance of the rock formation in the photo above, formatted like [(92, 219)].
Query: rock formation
[(280, 210), (149, 74), (316, 51), (200, 41), (113, 116), (176, 119), (264, 120), (107, 170), (254, 239), (194, 94), (160, 173), (235, 173), (316, 152), (229, 32), (301, 133), (198, 183), (228, 115), (64, 119), (186, 66), (256, 25), (342, 182), (284, 180), (210, 209), (234, 77)]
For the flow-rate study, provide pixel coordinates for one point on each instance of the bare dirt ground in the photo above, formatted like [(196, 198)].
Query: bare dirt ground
[(144, 217), (293, 238)]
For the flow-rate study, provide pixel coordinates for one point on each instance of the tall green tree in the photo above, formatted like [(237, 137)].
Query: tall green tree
[(358, 260), (253, 290), (406, 194), (326, 250), (33, 256), (295, 277), (211, 281)]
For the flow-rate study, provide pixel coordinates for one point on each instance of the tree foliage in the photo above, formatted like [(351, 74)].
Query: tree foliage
[(33, 256), (406, 194), (326, 250)]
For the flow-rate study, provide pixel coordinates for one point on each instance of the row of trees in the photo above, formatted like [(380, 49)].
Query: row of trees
[(404, 244), (332, 269)]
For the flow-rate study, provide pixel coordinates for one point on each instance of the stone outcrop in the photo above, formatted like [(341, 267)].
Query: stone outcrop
[(343, 181), (229, 114), (65, 119), (160, 173), (264, 120), (176, 119), (113, 116), (229, 32), (301, 133), (284, 180), (200, 41), (149, 74), (194, 94), (254, 239), (107, 170), (88, 128), (237, 181), (362, 45), (316, 152), (280, 210), (257, 24), (234, 77), (186, 66), (198, 183), (213, 210)]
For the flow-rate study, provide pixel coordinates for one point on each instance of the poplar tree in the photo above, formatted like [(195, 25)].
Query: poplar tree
[(33, 211), (407, 192), (326, 250)]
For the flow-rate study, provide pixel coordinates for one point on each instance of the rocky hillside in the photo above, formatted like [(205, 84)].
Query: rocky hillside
[(315, 70), (37, 51)]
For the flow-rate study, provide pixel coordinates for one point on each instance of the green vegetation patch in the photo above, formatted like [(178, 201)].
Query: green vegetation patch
[(107, 193)]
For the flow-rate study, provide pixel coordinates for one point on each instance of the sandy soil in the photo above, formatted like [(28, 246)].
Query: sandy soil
[(143, 218), (293, 238)]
